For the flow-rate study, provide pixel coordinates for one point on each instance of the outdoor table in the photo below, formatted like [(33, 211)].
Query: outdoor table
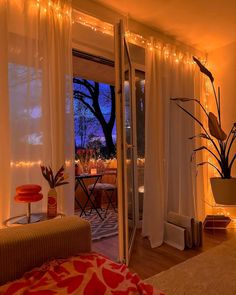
[(79, 180)]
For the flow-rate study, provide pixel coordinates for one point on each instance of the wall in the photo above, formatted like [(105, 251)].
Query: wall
[(223, 66), (222, 63)]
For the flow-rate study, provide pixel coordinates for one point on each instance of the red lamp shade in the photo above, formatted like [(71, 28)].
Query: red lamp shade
[(28, 189), (28, 198), (28, 193)]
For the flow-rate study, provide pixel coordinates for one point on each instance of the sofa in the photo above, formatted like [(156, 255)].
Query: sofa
[(55, 257), (28, 246)]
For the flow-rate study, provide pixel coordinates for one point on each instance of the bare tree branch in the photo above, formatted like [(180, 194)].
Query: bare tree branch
[(81, 93), (94, 106), (87, 105), (113, 107)]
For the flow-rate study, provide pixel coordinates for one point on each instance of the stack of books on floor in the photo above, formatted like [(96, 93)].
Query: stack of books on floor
[(216, 221), (182, 231)]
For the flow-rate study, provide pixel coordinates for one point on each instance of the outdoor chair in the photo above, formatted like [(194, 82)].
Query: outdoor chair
[(108, 188)]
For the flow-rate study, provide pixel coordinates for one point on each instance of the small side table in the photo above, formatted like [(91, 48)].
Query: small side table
[(79, 180), (17, 220)]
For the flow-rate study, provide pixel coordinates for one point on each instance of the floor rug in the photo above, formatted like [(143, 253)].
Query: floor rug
[(212, 272), (102, 228)]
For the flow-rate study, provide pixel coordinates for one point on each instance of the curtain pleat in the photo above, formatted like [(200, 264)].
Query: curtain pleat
[(37, 101), (170, 182)]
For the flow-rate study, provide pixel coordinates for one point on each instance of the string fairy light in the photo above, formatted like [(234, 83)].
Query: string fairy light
[(93, 23), (25, 164), (167, 49), (97, 25), (60, 10)]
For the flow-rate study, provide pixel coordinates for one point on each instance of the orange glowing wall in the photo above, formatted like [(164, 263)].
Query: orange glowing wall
[(222, 63)]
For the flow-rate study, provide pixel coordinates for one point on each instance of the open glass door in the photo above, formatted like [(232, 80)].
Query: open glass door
[(126, 145)]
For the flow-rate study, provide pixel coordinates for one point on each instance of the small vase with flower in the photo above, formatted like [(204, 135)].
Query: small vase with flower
[(53, 181)]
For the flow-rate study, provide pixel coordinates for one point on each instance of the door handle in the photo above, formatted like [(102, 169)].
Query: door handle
[(129, 146)]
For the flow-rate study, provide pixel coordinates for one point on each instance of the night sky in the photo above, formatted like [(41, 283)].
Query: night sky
[(92, 127)]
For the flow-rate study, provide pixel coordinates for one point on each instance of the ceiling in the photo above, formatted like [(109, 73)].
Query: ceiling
[(206, 25)]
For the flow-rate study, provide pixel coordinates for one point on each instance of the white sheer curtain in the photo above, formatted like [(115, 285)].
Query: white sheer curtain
[(36, 107), (5, 179), (169, 178)]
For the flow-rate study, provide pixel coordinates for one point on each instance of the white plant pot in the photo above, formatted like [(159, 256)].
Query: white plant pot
[(224, 190)]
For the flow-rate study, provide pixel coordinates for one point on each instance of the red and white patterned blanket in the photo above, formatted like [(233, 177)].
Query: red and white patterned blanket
[(88, 274)]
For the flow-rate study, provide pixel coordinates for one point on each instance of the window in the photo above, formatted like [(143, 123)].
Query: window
[(94, 104)]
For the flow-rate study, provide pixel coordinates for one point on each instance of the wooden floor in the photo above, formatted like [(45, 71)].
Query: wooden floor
[(147, 261)]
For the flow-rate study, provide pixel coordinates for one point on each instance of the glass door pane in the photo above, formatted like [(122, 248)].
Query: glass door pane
[(126, 147), (140, 115), (130, 173)]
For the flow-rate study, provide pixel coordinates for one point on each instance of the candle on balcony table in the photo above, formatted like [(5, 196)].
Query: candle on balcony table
[(93, 171)]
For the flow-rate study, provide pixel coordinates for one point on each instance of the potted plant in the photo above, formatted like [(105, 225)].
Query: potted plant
[(84, 157), (224, 186)]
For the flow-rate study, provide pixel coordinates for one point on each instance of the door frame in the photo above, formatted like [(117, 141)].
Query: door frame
[(119, 77), (126, 241)]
